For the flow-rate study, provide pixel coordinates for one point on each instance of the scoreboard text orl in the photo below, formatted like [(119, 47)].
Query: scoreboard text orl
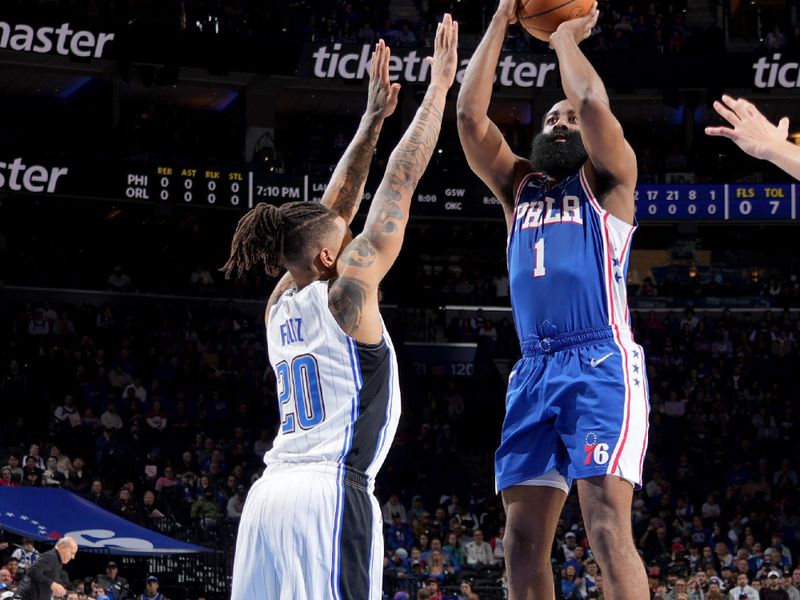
[(238, 187)]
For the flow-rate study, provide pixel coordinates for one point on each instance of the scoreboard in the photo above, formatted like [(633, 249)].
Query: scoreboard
[(728, 202), (240, 187), (188, 185)]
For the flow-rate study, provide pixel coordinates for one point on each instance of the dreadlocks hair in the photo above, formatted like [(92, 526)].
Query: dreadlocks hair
[(276, 235)]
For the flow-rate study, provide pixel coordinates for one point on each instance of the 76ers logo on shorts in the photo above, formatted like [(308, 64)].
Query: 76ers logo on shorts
[(594, 451)]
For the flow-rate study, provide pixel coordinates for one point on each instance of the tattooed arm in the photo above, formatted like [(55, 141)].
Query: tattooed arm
[(346, 187), (353, 298)]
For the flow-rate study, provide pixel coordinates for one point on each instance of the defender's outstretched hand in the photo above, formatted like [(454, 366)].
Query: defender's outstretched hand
[(382, 95), (444, 62), (579, 28), (751, 130), (754, 134)]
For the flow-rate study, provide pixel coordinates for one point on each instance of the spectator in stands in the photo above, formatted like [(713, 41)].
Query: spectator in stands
[(16, 468), (64, 327), (12, 566), (67, 415), (119, 379), (98, 496), (590, 576), (52, 477), (38, 326), (126, 507), (436, 568), (785, 474), (206, 511), (26, 555), (7, 477), (116, 586), (33, 453), (569, 545), (6, 581), (108, 450), (432, 588), (466, 518), (201, 277), (498, 552), (571, 584), (715, 592), (156, 419), (776, 39), (782, 550), (168, 479), (235, 504), (111, 419), (743, 589), (119, 281), (152, 593), (682, 589), (792, 584), (773, 590), (63, 463), (139, 391), (454, 548), (478, 552), (32, 473), (392, 507), (399, 534), (150, 508), (723, 553)]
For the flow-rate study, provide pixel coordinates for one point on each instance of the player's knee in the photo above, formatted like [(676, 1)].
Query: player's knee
[(521, 538), (607, 538)]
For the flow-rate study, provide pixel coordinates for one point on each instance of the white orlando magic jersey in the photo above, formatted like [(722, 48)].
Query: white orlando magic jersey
[(339, 400)]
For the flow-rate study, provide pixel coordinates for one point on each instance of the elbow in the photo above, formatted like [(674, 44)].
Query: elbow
[(464, 116), (467, 113), (468, 120)]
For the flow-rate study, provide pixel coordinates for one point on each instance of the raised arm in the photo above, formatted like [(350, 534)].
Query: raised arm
[(353, 297), (754, 134), (346, 187), (612, 163), (487, 151)]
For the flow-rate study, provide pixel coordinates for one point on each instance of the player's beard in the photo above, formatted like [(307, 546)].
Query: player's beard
[(558, 159)]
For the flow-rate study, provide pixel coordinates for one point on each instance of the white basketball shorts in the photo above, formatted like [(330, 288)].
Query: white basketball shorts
[(309, 532)]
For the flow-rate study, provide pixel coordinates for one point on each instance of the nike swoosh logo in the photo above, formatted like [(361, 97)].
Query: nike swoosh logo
[(596, 361)]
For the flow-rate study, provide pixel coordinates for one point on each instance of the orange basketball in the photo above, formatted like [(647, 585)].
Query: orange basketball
[(540, 18)]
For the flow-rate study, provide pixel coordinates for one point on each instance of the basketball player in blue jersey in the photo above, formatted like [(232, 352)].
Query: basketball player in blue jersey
[(577, 405), (311, 526)]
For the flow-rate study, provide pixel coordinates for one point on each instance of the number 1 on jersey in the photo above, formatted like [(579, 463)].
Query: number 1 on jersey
[(538, 258)]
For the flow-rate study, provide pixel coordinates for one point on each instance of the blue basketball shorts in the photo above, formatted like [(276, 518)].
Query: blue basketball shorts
[(577, 406)]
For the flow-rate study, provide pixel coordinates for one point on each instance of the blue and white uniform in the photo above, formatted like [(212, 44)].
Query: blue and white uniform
[(577, 402), (311, 528)]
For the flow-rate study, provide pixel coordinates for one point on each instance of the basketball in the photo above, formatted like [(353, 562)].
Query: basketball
[(540, 18)]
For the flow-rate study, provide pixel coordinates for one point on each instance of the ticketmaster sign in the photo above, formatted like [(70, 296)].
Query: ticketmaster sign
[(770, 73), (62, 39), (409, 66)]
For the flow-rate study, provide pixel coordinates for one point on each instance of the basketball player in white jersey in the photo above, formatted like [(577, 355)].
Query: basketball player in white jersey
[(754, 134), (311, 527)]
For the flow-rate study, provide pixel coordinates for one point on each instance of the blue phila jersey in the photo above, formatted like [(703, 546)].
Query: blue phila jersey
[(339, 400), (567, 259)]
